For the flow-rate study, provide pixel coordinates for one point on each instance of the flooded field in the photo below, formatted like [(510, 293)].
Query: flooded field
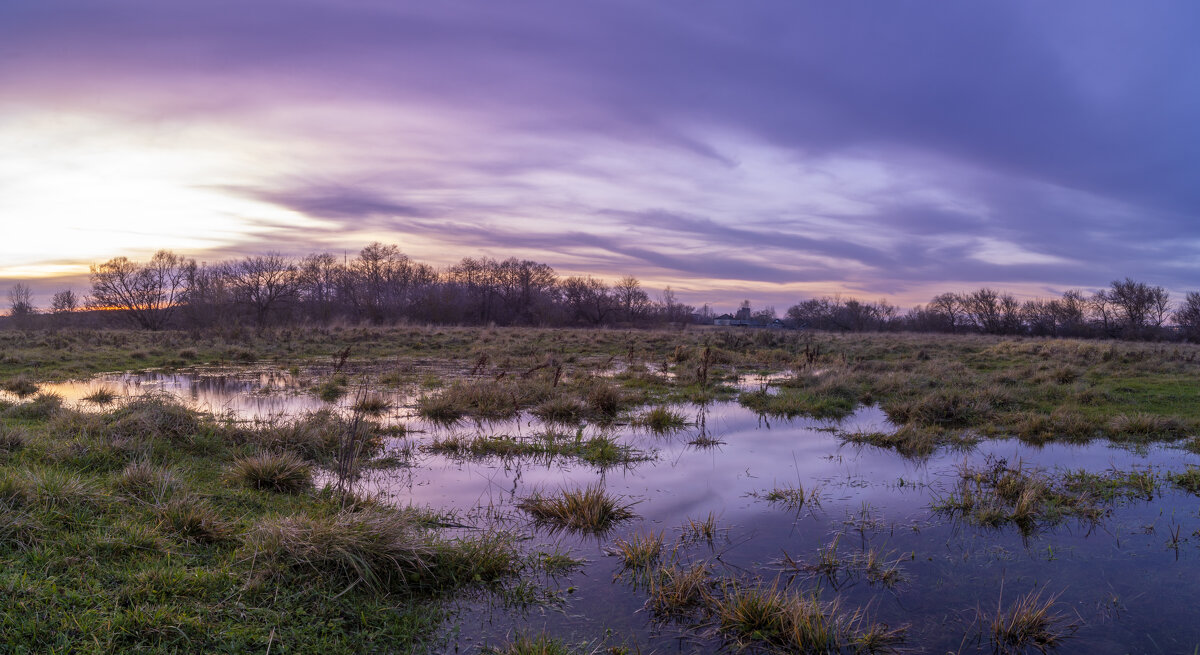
[(784, 504)]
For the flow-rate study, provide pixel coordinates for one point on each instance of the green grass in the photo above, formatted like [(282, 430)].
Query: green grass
[(639, 551), (599, 450), (1000, 493), (541, 644), (125, 531), (793, 497), (662, 420), (783, 621), (1188, 480)]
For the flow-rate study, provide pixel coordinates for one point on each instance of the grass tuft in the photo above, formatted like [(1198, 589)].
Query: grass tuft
[(145, 481), (640, 551), (1028, 622), (19, 386), (194, 520), (662, 420), (371, 547), (40, 408), (588, 510), (283, 472), (101, 396)]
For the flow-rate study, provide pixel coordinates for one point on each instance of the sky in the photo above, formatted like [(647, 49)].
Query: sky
[(773, 150)]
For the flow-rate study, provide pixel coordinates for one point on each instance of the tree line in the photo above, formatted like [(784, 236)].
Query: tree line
[(382, 285), (1126, 309), (379, 285)]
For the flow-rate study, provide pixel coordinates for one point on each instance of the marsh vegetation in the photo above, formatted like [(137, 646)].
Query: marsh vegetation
[(772, 491)]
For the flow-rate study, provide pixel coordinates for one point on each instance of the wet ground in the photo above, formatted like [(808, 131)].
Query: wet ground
[(1127, 581)]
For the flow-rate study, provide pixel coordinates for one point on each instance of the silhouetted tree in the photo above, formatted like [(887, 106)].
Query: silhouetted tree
[(147, 294), (1187, 317), (264, 284)]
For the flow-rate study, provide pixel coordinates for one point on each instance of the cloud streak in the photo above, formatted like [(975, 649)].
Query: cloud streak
[(785, 147)]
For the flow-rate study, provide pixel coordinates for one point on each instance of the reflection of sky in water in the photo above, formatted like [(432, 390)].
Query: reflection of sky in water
[(1133, 592)]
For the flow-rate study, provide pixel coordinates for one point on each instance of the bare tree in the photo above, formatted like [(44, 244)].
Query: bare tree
[(64, 302), (949, 306), (264, 284), (319, 275), (62, 305), (145, 294), (1138, 304), (631, 298), (20, 301), (1187, 317), (588, 299)]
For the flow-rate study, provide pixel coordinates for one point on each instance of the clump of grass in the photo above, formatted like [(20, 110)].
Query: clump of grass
[(1062, 423), (40, 408), (790, 496), (700, 529), (12, 439), (489, 399), (193, 519), (675, 590), (1145, 427), (790, 402), (779, 620), (46, 488), (1188, 480), (154, 416), (145, 481), (101, 396), (910, 440), (598, 450), (605, 400), (999, 493), (560, 563), (880, 569), (282, 472), (372, 404), (1113, 484), (662, 420), (440, 408), (371, 547), (542, 644), (560, 409), (944, 408), (588, 510), (19, 386), (640, 551), (19, 530), (331, 391), (316, 436), (1028, 622), (704, 440)]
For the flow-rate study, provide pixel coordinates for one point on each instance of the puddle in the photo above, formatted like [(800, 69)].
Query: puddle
[(1111, 575)]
